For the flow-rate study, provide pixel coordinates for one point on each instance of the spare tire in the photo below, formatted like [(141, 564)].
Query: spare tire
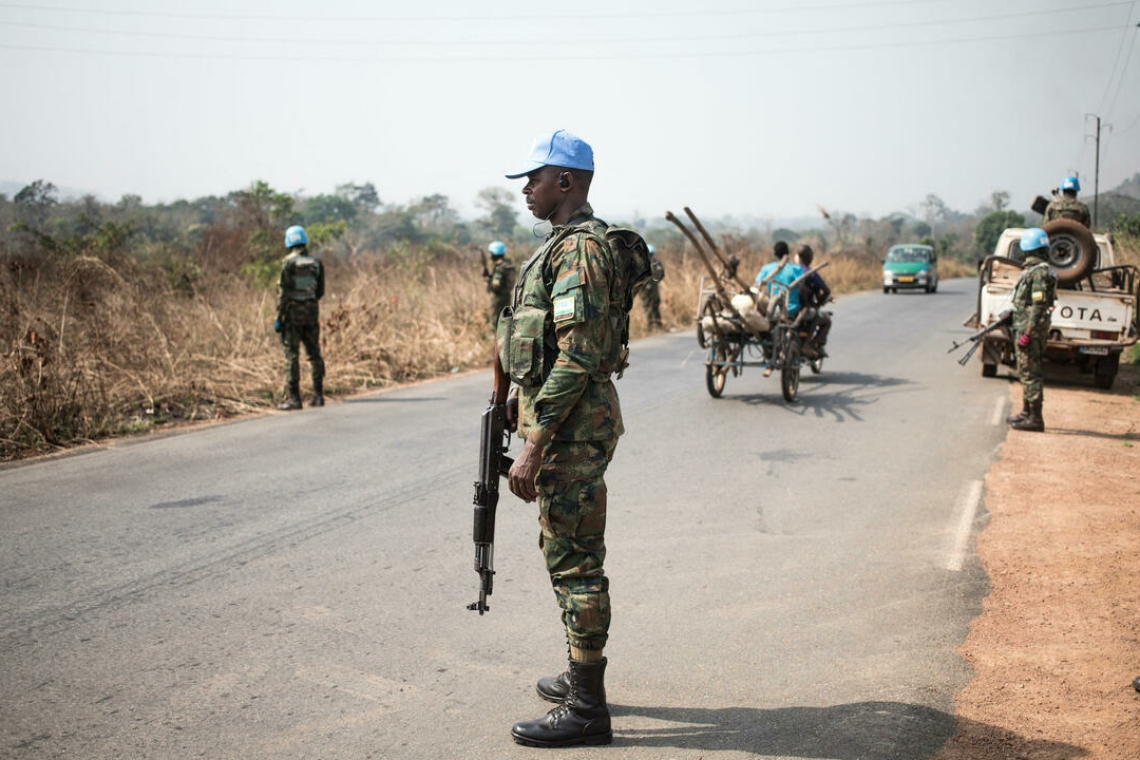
[(1072, 250)]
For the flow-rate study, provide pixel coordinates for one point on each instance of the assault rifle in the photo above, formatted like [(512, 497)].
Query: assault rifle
[(1005, 318), (494, 440)]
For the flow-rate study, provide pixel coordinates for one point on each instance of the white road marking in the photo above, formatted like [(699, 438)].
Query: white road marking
[(998, 417), (967, 508)]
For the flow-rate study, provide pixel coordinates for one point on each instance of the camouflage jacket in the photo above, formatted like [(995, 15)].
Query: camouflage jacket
[(502, 278), (1068, 208), (1033, 295), (302, 279), (561, 334)]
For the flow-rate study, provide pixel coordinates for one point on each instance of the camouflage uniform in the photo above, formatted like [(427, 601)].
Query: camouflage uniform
[(1068, 207), (500, 283), (1032, 301), (651, 294), (563, 346), (300, 288)]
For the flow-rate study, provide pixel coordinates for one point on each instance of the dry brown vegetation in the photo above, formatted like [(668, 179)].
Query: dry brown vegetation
[(105, 345)]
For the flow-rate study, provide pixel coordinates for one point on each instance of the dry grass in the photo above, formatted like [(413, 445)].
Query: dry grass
[(97, 347)]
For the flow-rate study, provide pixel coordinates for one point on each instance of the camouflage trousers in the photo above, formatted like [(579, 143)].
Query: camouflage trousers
[(301, 326), (651, 301), (572, 515), (1029, 361)]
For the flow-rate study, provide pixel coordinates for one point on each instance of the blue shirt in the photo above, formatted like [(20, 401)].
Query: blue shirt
[(781, 281)]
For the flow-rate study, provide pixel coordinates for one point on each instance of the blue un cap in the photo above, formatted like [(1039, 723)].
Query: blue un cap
[(559, 148)]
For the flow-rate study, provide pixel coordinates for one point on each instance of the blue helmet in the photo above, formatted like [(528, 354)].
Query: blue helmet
[(1071, 183), (295, 236), (497, 248), (1034, 239), (652, 249)]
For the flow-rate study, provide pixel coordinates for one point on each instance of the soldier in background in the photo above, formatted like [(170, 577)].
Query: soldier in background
[(299, 292), (650, 294), (500, 281), (1033, 298), (1066, 206)]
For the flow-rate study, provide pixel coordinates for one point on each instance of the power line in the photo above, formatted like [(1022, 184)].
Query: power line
[(1123, 74), (300, 57), (1116, 62), (481, 17), (478, 43)]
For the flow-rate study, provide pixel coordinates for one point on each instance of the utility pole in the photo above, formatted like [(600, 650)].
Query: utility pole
[(1096, 170)]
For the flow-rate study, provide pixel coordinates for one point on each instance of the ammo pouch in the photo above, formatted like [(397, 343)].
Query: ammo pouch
[(521, 336)]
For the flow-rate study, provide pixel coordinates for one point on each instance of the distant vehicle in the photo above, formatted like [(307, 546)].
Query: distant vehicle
[(1094, 318), (910, 266)]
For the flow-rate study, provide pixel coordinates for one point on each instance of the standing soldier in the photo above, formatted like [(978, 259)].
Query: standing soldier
[(299, 291), (1067, 206), (650, 295), (560, 348), (1032, 301), (500, 281)]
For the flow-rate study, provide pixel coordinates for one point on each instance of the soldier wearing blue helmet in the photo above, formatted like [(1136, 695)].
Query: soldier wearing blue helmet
[(500, 281), (1066, 205), (1033, 298), (299, 291)]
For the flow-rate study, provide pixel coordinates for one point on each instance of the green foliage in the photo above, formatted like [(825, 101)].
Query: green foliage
[(989, 229), (1126, 225)]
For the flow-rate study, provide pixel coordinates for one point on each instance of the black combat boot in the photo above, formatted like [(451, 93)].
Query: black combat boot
[(293, 400), (1034, 423), (1019, 417), (583, 718), (556, 688), (318, 398)]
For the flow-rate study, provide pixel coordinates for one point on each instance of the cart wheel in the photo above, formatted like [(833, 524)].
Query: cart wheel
[(790, 372), (715, 375)]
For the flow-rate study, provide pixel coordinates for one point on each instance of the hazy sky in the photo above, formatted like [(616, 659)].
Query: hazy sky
[(757, 108)]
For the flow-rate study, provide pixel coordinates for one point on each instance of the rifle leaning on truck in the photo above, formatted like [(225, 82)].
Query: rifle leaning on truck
[(1005, 318), (494, 441)]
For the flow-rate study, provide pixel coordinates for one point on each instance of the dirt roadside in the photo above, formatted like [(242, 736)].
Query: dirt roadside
[(1057, 645)]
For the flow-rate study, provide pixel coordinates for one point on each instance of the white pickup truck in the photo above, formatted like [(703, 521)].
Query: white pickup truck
[(1094, 318)]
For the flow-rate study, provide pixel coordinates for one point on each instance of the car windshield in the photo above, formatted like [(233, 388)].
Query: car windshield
[(908, 255)]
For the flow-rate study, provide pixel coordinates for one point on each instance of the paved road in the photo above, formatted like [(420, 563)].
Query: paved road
[(789, 580)]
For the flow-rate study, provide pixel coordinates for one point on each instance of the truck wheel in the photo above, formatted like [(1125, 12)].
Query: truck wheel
[(1106, 367), (1072, 250)]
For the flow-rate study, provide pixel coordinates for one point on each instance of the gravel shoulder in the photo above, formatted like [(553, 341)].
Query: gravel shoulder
[(1057, 645)]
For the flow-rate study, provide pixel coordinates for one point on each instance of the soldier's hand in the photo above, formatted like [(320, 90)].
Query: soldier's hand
[(524, 471)]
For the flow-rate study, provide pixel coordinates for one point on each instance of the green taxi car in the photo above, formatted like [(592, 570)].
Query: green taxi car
[(910, 266)]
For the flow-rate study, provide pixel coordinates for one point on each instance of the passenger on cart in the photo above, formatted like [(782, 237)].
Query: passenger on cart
[(814, 294)]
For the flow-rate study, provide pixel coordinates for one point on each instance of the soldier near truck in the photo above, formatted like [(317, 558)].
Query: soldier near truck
[(1066, 205), (1033, 299)]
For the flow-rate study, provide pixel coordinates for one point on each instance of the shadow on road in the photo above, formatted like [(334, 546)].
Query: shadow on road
[(840, 394), (880, 730)]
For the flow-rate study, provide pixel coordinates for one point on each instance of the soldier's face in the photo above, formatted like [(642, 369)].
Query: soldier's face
[(542, 191)]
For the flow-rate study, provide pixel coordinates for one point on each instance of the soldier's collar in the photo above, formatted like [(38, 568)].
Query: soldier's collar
[(583, 213)]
